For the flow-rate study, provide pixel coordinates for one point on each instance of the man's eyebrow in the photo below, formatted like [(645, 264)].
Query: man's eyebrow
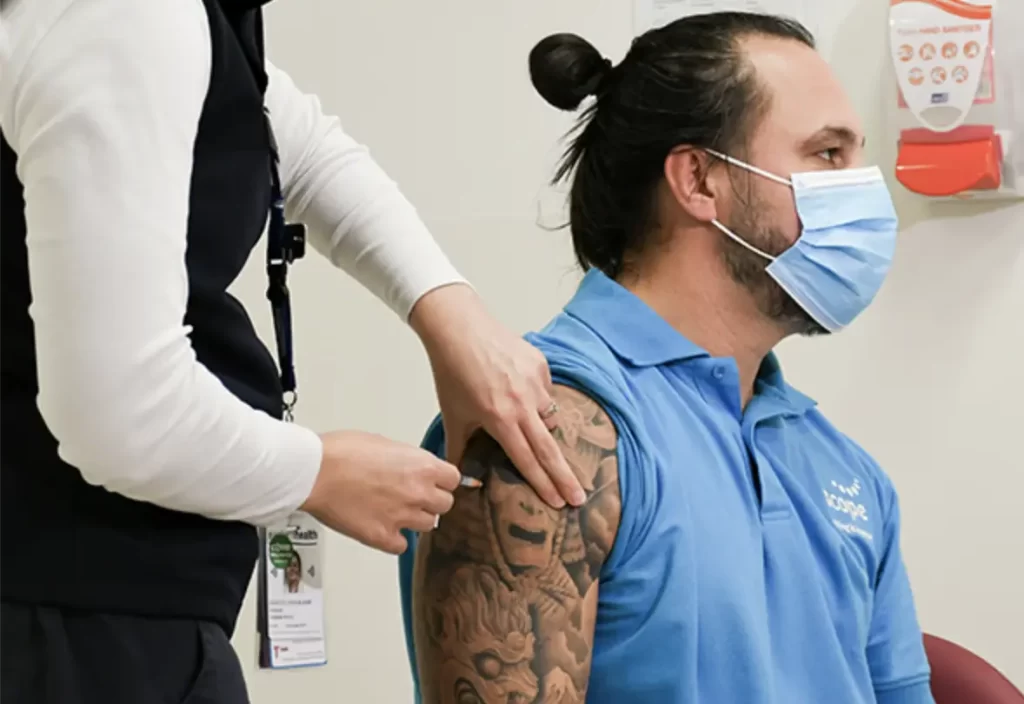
[(831, 133)]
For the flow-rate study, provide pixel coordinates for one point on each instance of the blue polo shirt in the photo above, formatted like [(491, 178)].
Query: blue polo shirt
[(757, 559)]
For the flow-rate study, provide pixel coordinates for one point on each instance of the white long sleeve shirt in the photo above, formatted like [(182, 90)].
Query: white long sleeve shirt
[(100, 99)]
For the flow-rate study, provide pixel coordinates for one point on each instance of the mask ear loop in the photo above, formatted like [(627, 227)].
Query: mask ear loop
[(750, 167), (760, 172), (740, 241)]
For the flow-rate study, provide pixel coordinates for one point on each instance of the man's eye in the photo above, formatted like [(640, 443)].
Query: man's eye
[(832, 155)]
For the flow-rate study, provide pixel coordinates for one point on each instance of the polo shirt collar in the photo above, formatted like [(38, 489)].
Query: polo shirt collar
[(770, 384), (643, 338), (627, 325)]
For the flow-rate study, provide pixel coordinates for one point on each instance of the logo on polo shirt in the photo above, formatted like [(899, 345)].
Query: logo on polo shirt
[(842, 498), (851, 490)]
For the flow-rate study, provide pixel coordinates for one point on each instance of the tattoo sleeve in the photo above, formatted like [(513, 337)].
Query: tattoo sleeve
[(505, 589)]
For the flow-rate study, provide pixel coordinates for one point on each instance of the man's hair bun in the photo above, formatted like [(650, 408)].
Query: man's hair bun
[(566, 68)]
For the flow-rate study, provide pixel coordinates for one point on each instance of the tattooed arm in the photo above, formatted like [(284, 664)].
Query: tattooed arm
[(505, 589)]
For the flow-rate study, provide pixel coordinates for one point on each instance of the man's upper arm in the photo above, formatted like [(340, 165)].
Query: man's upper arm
[(505, 590)]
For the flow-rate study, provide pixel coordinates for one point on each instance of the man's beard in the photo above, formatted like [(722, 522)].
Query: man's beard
[(748, 270)]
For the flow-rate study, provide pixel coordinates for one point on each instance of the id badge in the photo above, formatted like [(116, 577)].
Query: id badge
[(291, 602)]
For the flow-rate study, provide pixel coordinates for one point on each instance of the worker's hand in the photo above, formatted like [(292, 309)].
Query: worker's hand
[(370, 487), (487, 377)]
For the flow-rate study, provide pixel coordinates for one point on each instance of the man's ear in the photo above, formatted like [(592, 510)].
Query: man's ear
[(686, 173)]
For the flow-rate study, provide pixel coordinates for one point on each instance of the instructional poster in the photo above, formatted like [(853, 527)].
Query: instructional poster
[(291, 622), (648, 14), (942, 52)]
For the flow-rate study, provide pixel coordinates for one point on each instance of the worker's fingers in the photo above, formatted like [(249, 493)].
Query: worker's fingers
[(552, 461), (438, 502), (518, 449), (447, 476)]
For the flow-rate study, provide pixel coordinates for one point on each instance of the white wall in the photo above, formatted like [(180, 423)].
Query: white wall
[(929, 380)]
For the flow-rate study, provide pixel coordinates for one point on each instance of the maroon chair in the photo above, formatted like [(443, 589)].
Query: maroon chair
[(961, 677)]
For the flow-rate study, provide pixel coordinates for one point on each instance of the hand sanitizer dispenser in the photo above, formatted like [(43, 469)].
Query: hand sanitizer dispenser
[(959, 112)]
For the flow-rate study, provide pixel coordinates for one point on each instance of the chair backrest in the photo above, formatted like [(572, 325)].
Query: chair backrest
[(961, 677)]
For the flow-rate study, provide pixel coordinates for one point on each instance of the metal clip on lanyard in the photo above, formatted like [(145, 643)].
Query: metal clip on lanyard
[(286, 242)]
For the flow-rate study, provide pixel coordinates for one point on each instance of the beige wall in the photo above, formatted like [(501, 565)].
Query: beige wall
[(929, 380)]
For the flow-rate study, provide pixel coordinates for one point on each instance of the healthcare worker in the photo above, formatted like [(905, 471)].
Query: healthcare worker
[(145, 434)]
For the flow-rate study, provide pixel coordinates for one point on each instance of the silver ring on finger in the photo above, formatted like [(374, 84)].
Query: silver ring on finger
[(549, 412)]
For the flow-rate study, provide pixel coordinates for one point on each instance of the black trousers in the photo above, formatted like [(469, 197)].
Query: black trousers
[(58, 656)]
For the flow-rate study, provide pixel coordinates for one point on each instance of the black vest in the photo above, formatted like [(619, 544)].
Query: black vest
[(65, 542)]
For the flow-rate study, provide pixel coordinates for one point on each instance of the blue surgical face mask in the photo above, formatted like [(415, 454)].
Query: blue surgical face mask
[(837, 265)]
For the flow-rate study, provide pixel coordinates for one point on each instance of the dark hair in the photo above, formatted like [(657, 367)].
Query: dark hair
[(688, 82)]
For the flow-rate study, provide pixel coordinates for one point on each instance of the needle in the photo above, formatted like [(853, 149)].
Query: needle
[(470, 482)]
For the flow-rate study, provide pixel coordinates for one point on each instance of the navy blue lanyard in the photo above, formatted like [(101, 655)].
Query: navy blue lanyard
[(286, 242)]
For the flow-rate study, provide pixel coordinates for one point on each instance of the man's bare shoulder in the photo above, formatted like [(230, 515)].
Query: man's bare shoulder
[(505, 590)]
